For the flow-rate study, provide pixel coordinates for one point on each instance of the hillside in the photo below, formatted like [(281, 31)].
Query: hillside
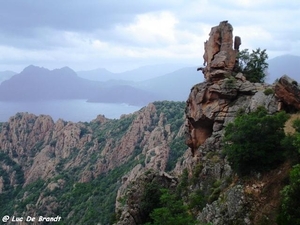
[(74, 169)]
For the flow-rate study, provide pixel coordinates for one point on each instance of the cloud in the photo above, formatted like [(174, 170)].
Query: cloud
[(126, 34)]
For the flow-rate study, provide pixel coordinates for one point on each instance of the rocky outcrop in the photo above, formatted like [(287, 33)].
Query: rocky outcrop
[(288, 91), (219, 56), (130, 208), (211, 105)]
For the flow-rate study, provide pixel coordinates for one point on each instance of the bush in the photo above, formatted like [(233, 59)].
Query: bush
[(253, 141), (290, 204), (269, 91), (172, 212)]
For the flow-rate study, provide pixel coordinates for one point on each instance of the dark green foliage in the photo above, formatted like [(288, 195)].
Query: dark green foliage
[(172, 211), (173, 112), (296, 125), (253, 65), (290, 198), (83, 131), (150, 199), (253, 141), (290, 204)]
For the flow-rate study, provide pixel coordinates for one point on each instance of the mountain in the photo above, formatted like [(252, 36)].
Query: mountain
[(283, 65), (100, 74), (36, 83), (5, 75), (173, 86), (135, 75)]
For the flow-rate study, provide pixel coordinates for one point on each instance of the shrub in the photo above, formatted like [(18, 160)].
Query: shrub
[(269, 91), (253, 65), (290, 203), (172, 212), (253, 141)]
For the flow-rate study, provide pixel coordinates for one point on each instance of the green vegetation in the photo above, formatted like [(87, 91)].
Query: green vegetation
[(253, 65), (172, 211), (290, 198), (269, 91), (290, 203), (173, 112), (253, 141), (177, 149)]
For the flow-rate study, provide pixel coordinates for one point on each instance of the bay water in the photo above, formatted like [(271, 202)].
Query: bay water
[(69, 110)]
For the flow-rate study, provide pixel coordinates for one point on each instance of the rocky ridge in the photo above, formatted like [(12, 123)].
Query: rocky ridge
[(57, 156)]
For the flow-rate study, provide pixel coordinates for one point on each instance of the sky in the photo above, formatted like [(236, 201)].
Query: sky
[(121, 35)]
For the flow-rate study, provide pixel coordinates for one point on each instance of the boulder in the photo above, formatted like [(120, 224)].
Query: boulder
[(288, 92)]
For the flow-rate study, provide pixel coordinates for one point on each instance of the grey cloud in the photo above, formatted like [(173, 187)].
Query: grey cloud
[(18, 16), (23, 23)]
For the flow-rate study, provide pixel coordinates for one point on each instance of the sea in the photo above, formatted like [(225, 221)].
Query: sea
[(68, 110)]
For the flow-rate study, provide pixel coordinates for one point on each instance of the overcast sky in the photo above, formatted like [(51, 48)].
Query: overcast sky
[(124, 34)]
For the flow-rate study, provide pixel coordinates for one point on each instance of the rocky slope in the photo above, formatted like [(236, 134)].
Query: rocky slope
[(221, 197), (44, 165)]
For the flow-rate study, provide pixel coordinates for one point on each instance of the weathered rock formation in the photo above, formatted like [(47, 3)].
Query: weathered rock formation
[(288, 92), (211, 105), (219, 56)]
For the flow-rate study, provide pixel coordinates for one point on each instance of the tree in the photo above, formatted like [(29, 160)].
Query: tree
[(252, 141), (253, 65)]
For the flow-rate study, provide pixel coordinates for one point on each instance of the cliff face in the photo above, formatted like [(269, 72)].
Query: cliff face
[(210, 106)]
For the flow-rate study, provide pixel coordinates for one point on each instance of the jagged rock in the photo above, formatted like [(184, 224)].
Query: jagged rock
[(288, 91), (219, 55)]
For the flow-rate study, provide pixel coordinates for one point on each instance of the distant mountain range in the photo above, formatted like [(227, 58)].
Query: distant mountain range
[(136, 75), (136, 87), (37, 84)]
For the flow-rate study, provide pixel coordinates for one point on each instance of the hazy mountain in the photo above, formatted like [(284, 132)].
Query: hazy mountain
[(100, 74), (285, 64), (139, 74), (5, 75), (36, 83), (173, 86)]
